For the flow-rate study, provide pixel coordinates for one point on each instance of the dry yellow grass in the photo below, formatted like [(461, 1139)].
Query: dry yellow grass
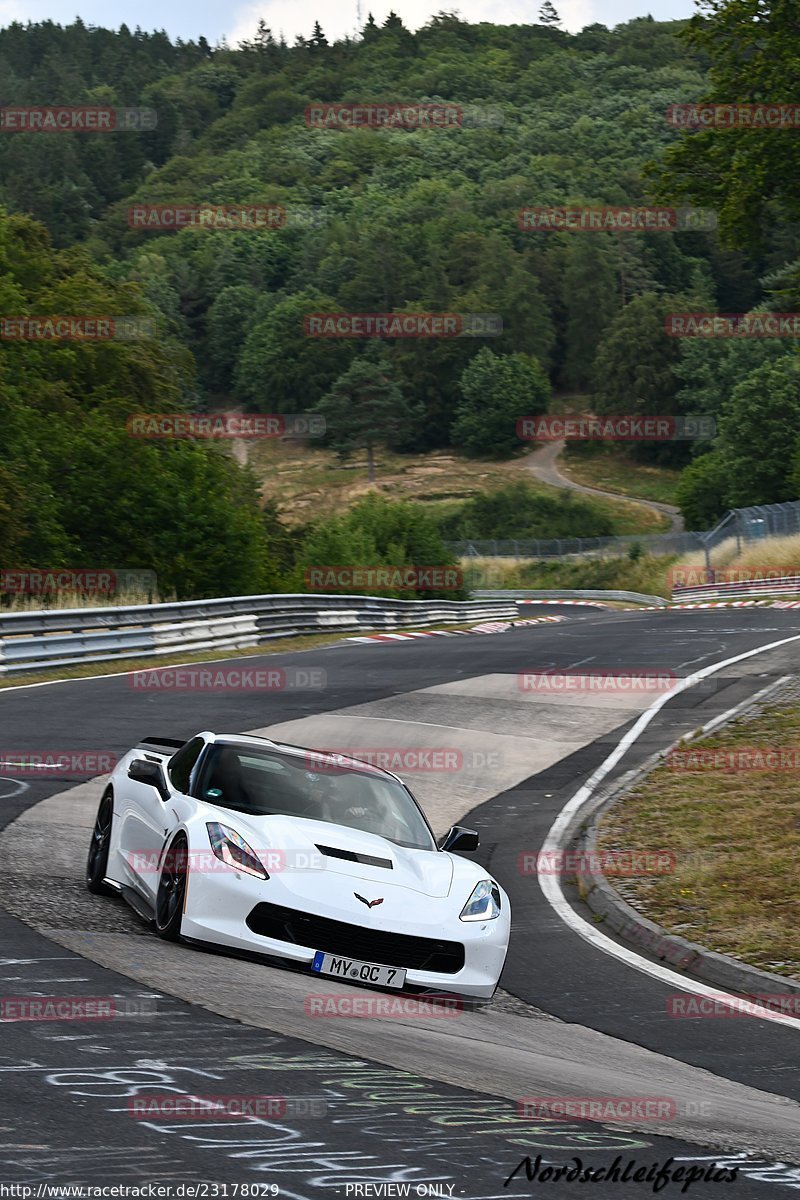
[(646, 576), (735, 834), (310, 484), (780, 553), (66, 600)]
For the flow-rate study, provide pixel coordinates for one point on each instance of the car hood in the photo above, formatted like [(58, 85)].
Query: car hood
[(293, 843)]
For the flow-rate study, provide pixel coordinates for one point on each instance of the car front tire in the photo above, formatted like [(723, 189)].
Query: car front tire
[(171, 893), (97, 862)]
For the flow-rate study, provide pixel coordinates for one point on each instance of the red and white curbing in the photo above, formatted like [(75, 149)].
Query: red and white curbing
[(669, 606), (707, 604), (537, 620), (503, 626), (727, 604), (581, 603), (486, 627)]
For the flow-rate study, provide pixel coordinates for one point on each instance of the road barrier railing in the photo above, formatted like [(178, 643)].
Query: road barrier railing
[(739, 589), (572, 594), (52, 638)]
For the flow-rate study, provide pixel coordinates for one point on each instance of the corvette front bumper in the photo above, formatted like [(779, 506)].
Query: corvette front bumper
[(218, 906)]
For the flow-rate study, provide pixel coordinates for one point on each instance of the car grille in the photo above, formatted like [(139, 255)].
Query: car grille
[(353, 941)]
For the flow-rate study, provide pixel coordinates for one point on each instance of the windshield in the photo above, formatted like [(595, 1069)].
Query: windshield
[(266, 783)]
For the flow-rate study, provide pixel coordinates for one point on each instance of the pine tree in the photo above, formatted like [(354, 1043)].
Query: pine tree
[(370, 30), (264, 39), (548, 14), (318, 40), (365, 406)]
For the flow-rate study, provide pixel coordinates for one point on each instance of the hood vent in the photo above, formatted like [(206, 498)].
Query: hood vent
[(351, 856)]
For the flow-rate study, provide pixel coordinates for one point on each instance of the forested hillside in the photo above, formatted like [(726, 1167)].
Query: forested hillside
[(381, 220)]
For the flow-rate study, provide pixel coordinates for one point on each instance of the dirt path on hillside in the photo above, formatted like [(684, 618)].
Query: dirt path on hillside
[(541, 463)]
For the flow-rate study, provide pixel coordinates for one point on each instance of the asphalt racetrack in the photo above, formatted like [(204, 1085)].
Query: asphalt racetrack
[(373, 1106)]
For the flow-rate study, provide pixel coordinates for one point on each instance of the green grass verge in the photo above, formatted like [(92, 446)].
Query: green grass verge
[(611, 470), (735, 834), (646, 574)]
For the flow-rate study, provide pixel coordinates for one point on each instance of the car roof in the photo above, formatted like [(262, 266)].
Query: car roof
[(247, 739)]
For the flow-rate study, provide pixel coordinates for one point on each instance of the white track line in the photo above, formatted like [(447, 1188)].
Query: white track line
[(206, 662), (19, 787), (209, 662), (551, 886)]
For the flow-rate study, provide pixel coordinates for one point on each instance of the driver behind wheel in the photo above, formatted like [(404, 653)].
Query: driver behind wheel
[(357, 802), (227, 779)]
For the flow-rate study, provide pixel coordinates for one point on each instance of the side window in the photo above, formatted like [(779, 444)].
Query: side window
[(180, 766)]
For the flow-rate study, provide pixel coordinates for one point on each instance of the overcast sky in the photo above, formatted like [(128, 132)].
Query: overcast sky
[(189, 19)]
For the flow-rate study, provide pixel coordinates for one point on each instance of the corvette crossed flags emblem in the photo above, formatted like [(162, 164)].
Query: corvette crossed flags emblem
[(369, 903)]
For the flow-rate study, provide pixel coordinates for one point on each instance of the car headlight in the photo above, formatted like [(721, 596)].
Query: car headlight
[(234, 850), (483, 904)]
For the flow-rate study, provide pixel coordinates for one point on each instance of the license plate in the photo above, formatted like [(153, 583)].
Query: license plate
[(358, 972)]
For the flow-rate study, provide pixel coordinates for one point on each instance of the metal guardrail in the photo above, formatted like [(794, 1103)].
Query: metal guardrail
[(573, 594), (36, 641), (789, 586)]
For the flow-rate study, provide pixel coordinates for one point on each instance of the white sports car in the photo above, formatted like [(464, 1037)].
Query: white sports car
[(304, 856)]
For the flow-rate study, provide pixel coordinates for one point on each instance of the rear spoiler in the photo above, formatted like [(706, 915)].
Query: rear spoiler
[(162, 745)]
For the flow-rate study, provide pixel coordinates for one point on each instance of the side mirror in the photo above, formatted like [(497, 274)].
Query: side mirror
[(459, 838), (144, 770)]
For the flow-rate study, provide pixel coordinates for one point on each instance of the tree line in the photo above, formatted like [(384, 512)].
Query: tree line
[(384, 220)]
